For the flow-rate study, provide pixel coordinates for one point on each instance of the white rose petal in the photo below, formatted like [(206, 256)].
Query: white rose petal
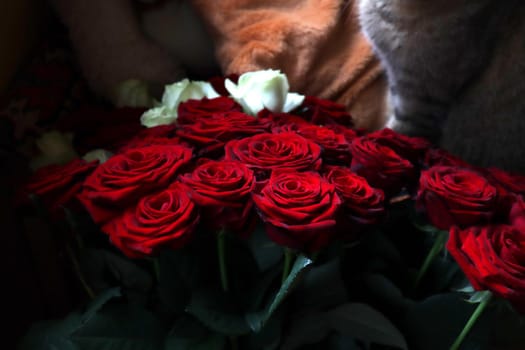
[(158, 116), (263, 89), (185, 90), (293, 100), (101, 155)]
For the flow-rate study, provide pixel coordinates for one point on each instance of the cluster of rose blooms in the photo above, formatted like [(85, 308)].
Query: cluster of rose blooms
[(308, 176)]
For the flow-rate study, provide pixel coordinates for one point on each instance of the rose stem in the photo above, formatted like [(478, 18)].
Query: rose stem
[(222, 259), (438, 245), (288, 257), (78, 272), (156, 268), (472, 320)]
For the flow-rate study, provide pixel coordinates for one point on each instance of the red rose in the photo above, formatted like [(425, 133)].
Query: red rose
[(362, 204), (493, 258), (282, 122), (158, 135), (157, 131), (506, 181), (411, 148), (438, 156), (57, 185), (320, 111), (164, 219), (299, 209), (213, 132), (335, 147), (453, 196), (151, 141), (193, 111), (380, 166), (222, 189), (124, 178), (266, 152), (349, 134), (517, 213)]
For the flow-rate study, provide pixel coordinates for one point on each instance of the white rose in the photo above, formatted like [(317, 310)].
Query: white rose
[(98, 154), (161, 115), (185, 90), (174, 94), (263, 89)]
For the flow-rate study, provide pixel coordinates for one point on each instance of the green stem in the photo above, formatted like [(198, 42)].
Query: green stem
[(438, 246), (156, 268), (288, 259), (222, 260), (472, 320), (78, 272)]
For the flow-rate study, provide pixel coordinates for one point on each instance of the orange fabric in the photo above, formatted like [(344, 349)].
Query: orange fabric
[(316, 43)]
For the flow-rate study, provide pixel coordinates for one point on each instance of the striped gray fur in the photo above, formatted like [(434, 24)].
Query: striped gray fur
[(456, 71)]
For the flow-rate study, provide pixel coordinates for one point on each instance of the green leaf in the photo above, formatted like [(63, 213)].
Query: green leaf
[(425, 227), (213, 342), (306, 329), (363, 322), (321, 287), (99, 302), (217, 312), (479, 297), (261, 288), (266, 252), (434, 324), (257, 320), (180, 274), (380, 244), (51, 335), (269, 337), (383, 289), (122, 327), (103, 268)]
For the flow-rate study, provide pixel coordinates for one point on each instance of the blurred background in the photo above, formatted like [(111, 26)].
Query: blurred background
[(21, 21)]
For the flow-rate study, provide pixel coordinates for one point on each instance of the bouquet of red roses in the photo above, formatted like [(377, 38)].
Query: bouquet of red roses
[(243, 216)]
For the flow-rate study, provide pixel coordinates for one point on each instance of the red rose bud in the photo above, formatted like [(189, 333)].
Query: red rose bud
[(266, 152), (381, 166), (493, 258), (299, 210), (363, 205), (162, 220), (222, 189), (125, 178), (455, 196), (58, 185), (192, 111), (411, 148)]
